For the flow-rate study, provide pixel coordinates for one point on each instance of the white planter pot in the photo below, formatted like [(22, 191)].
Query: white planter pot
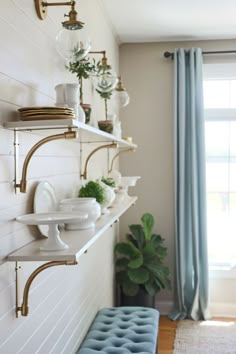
[(67, 93), (86, 205), (109, 198)]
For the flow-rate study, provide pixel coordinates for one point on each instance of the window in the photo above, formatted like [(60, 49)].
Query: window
[(220, 129)]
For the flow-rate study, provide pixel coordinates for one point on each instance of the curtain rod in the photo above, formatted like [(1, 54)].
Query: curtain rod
[(171, 54)]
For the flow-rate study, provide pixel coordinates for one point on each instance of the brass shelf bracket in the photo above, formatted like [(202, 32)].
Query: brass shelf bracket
[(85, 173), (120, 152), (24, 308), (23, 183)]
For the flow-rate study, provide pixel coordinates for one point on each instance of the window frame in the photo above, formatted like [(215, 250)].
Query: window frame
[(221, 270)]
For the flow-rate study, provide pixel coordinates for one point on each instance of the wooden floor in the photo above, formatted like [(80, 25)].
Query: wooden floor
[(166, 336)]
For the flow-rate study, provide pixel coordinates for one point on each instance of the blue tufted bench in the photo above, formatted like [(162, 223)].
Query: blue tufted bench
[(122, 330)]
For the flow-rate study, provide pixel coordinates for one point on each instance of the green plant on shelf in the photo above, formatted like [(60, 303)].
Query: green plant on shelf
[(83, 68), (109, 181), (93, 189)]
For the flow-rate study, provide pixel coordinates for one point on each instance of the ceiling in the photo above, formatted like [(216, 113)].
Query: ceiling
[(171, 20)]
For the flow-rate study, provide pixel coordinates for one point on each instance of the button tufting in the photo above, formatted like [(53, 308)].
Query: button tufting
[(122, 330)]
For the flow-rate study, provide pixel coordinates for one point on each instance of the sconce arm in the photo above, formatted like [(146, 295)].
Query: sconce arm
[(41, 7)]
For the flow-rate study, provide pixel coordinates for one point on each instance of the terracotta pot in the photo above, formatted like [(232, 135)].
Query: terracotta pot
[(106, 126)]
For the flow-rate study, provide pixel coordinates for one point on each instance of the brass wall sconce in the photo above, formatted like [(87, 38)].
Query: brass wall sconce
[(105, 80), (23, 183), (84, 175), (120, 152), (121, 94), (72, 39)]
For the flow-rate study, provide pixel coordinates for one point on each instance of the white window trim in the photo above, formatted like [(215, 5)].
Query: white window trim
[(221, 270), (220, 114)]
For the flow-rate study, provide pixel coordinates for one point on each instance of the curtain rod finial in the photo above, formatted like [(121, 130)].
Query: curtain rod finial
[(168, 55)]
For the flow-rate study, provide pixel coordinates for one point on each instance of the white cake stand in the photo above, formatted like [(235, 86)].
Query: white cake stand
[(54, 242)]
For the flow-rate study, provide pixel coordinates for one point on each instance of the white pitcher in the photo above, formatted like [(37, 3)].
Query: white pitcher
[(68, 96)]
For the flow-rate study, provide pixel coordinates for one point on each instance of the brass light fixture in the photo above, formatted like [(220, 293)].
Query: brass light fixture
[(121, 95), (104, 83), (105, 80), (72, 39)]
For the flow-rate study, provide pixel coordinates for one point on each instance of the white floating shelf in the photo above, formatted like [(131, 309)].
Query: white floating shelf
[(79, 241), (64, 124)]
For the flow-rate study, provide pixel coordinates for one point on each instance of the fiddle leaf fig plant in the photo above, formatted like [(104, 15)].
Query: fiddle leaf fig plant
[(140, 262)]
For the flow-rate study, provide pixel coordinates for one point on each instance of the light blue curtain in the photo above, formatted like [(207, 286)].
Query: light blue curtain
[(191, 298)]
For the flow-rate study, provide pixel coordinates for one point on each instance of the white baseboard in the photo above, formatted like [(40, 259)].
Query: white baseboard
[(164, 307), (218, 309)]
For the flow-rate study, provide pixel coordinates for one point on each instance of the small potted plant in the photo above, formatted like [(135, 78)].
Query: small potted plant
[(105, 124), (97, 189), (109, 181), (140, 269), (83, 68), (93, 189)]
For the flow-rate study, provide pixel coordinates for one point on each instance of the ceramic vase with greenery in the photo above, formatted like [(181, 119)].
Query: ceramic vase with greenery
[(109, 181), (140, 263), (93, 189)]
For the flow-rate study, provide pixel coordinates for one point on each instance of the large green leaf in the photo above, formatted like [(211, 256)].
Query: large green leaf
[(151, 288), (153, 263), (136, 262), (148, 223), (138, 276), (127, 249), (132, 240), (138, 234), (149, 251), (156, 240), (161, 276), (159, 283)]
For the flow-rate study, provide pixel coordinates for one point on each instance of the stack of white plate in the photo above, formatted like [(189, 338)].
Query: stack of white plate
[(40, 113)]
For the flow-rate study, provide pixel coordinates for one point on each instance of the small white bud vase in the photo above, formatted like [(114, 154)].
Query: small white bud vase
[(86, 205), (109, 198)]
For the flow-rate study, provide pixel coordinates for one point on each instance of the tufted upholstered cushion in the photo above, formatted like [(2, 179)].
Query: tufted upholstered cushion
[(122, 330)]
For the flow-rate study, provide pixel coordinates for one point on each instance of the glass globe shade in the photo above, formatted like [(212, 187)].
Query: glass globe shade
[(122, 98), (105, 82), (73, 44)]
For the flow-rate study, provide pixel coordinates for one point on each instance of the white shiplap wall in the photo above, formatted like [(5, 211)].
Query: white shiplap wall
[(62, 301)]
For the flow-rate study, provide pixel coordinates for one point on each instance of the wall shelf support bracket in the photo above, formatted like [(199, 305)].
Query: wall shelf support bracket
[(24, 308), (66, 135)]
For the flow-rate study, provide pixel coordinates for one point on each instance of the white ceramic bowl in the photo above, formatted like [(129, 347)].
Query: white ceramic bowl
[(86, 205)]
